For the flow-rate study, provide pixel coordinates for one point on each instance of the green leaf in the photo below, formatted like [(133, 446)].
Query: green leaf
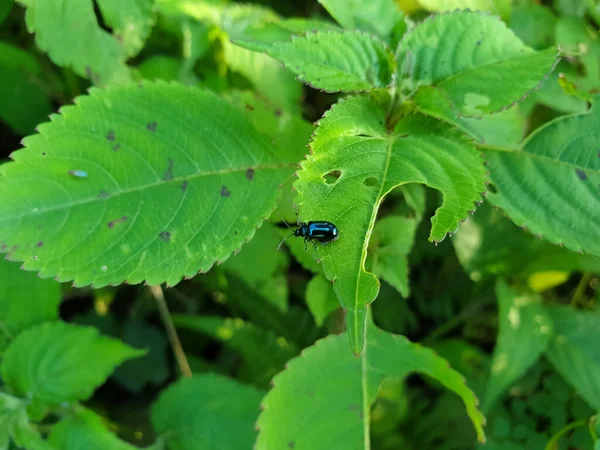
[(490, 244), (160, 67), (153, 367), (570, 7), (24, 103), (51, 364), (207, 411), (580, 43), (353, 141), (167, 187), (524, 332), (69, 32), (274, 82), (11, 410), (389, 247), (5, 7), (25, 436), (288, 131), (574, 350), (500, 7), (130, 20), (561, 165), (345, 61), (254, 22), (503, 129), (320, 298), (378, 17), (295, 324), (534, 25), (345, 387), (263, 352), (25, 300), (476, 64), (85, 430), (260, 265)]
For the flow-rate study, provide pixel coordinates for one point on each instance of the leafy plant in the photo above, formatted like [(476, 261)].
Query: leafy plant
[(186, 158)]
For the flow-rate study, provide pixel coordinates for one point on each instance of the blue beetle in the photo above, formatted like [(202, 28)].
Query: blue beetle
[(317, 231)]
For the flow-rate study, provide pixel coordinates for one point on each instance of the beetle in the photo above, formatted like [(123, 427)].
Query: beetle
[(314, 231)]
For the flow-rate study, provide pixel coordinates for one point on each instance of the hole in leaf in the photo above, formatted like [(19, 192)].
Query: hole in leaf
[(332, 176), (492, 189), (371, 181)]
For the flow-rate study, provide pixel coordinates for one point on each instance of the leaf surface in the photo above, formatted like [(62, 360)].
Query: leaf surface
[(50, 363), (378, 17), (552, 185), (130, 20), (474, 62), (85, 430), (574, 350), (392, 240), (320, 298), (69, 32), (501, 7), (345, 387), (25, 300), (490, 244), (352, 140), (24, 103), (264, 353), (207, 411), (337, 61), (524, 332), (135, 184)]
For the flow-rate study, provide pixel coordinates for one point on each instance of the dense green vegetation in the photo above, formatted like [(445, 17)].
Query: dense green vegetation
[(153, 152)]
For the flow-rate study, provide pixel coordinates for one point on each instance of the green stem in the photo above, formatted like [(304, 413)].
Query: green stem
[(165, 316), (552, 443), (580, 290), (592, 427)]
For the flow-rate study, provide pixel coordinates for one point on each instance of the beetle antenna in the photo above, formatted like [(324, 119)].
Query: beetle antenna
[(284, 239), (288, 225)]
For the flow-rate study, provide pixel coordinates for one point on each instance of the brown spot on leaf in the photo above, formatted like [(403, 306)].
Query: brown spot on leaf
[(151, 126), (250, 174), (278, 113), (249, 107), (110, 135), (103, 194), (225, 192), (184, 186), (112, 223), (169, 172), (581, 174), (40, 244), (165, 236), (116, 147)]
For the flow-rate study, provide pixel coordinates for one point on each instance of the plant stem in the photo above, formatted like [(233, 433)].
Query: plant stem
[(165, 316), (580, 290), (552, 443)]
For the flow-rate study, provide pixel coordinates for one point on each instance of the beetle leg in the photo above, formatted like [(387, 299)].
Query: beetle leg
[(305, 244)]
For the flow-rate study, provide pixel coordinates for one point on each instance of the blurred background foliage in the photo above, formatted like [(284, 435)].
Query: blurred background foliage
[(248, 316)]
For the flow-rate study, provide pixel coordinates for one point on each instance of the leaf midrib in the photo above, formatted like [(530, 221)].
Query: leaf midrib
[(148, 186), (363, 256)]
